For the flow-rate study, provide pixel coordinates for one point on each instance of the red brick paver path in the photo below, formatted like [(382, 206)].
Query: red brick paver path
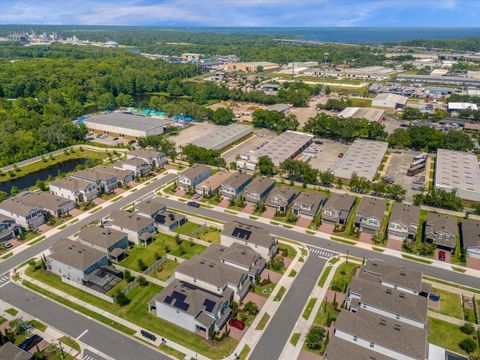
[(249, 209), (269, 213), (256, 298), (339, 298), (327, 228), (365, 238), (395, 244), (224, 203), (119, 191), (98, 201), (303, 222), (180, 192), (473, 263), (307, 355), (274, 276), (43, 228), (76, 212), (236, 333)]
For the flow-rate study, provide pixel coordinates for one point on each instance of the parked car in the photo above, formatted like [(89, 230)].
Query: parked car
[(197, 196), (193, 204), (7, 245), (30, 342), (434, 297), (238, 324), (115, 139), (441, 255)]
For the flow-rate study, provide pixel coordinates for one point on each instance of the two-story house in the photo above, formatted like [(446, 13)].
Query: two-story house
[(370, 213), (280, 198), (106, 182), (211, 186), (442, 230), (403, 221), (155, 159), (139, 229), (150, 207), (258, 189), (138, 166), (9, 229), (338, 209), (471, 242), (27, 216), (123, 176), (189, 178), (308, 204), (110, 241), (193, 308), (77, 190), (255, 237), (232, 188)]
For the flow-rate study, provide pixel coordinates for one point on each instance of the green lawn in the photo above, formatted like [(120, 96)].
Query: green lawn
[(209, 234), (161, 245), (308, 310), (294, 339), (323, 278), (12, 311), (361, 102), (265, 290), (342, 276), (187, 229), (244, 353), (263, 322), (70, 342), (113, 291), (171, 351), (280, 294), (288, 250), (38, 325), (326, 314), (450, 303), (137, 312), (447, 335), (165, 270)]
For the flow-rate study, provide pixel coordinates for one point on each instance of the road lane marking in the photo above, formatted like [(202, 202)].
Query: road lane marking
[(83, 333)]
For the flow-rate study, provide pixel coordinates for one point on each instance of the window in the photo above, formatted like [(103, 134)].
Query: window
[(372, 345)]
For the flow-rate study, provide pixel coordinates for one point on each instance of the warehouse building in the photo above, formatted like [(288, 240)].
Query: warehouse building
[(126, 125), (461, 106), (459, 171), (251, 67), (285, 146), (363, 113), (433, 79), (223, 137), (390, 101), (362, 158), (369, 73)]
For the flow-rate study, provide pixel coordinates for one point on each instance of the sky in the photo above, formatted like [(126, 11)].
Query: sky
[(291, 13)]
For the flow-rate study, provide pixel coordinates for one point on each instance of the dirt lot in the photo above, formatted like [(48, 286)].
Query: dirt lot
[(242, 111), (399, 163), (327, 155), (192, 133), (261, 137)]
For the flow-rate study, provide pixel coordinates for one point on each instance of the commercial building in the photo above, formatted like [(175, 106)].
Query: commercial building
[(432, 79), (283, 147), (251, 67), (281, 108), (127, 126), (458, 171), (368, 73), (362, 158), (460, 106), (363, 113), (223, 137), (389, 101)]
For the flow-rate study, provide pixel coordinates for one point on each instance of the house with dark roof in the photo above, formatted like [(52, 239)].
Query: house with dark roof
[(258, 189), (189, 178), (154, 158), (193, 308), (471, 242), (442, 230), (403, 221), (255, 237), (138, 166), (77, 190), (9, 229), (104, 180), (232, 187), (123, 176), (150, 207), (370, 213), (280, 198), (110, 241), (169, 220), (10, 351), (338, 208), (139, 229), (308, 204)]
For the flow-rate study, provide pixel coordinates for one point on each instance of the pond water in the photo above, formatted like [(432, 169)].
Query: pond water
[(28, 180)]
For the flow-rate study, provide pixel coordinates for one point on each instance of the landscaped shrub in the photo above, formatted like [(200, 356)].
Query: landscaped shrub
[(251, 308), (122, 299), (315, 338), (467, 328), (142, 281), (277, 263), (468, 345), (141, 265)]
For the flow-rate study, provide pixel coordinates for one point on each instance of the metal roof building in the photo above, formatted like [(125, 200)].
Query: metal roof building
[(388, 100), (224, 136), (454, 80), (285, 146), (362, 158), (126, 125), (362, 113), (458, 170)]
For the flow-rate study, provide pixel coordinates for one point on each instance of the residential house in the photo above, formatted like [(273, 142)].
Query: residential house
[(139, 229), (396, 277), (471, 242), (138, 166), (54, 205), (239, 256), (280, 198), (214, 276), (189, 178), (77, 190), (308, 204), (10, 351), (442, 230), (150, 207), (9, 229), (338, 208), (339, 349), (105, 181), (211, 186), (193, 308), (403, 222), (155, 159), (169, 220), (110, 241), (82, 265), (257, 191), (255, 237), (370, 213), (232, 188), (123, 176)]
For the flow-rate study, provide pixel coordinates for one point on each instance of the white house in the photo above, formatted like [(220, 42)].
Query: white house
[(77, 190), (138, 166), (154, 158)]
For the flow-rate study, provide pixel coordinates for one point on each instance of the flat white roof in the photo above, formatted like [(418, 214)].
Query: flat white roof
[(127, 121), (462, 106), (457, 170), (362, 113), (223, 136), (398, 99), (362, 158)]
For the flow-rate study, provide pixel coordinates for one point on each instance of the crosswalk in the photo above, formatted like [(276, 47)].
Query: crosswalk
[(322, 253), (4, 280), (89, 357)]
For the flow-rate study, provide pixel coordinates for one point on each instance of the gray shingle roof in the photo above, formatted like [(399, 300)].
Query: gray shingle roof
[(259, 185), (405, 214), (75, 254), (10, 351), (236, 253), (284, 193), (249, 233), (27, 200), (102, 237), (339, 349), (372, 207), (70, 183), (471, 232), (194, 171), (150, 206), (130, 221), (236, 179), (340, 202)]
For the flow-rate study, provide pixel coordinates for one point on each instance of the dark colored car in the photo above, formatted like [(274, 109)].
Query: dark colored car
[(434, 297), (30, 342), (193, 204), (240, 325)]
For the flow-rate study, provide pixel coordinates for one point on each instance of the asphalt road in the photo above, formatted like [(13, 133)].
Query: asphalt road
[(98, 336), (10, 263), (277, 333), (326, 243)]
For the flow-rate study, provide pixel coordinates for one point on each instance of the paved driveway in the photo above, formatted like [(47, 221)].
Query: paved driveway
[(365, 237), (395, 244), (328, 228), (303, 222), (269, 213)]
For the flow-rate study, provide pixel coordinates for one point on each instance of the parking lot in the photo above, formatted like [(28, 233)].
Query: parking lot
[(328, 154), (192, 133), (107, 139), (399, 163), (262, 136)]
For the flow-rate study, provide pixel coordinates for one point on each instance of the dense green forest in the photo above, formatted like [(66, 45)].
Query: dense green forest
[(465, 44)]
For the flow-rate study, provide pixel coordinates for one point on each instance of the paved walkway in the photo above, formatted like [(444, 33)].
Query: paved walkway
[(449, 319)]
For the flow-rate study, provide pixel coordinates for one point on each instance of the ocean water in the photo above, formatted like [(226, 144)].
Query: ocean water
[(352, 35)]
